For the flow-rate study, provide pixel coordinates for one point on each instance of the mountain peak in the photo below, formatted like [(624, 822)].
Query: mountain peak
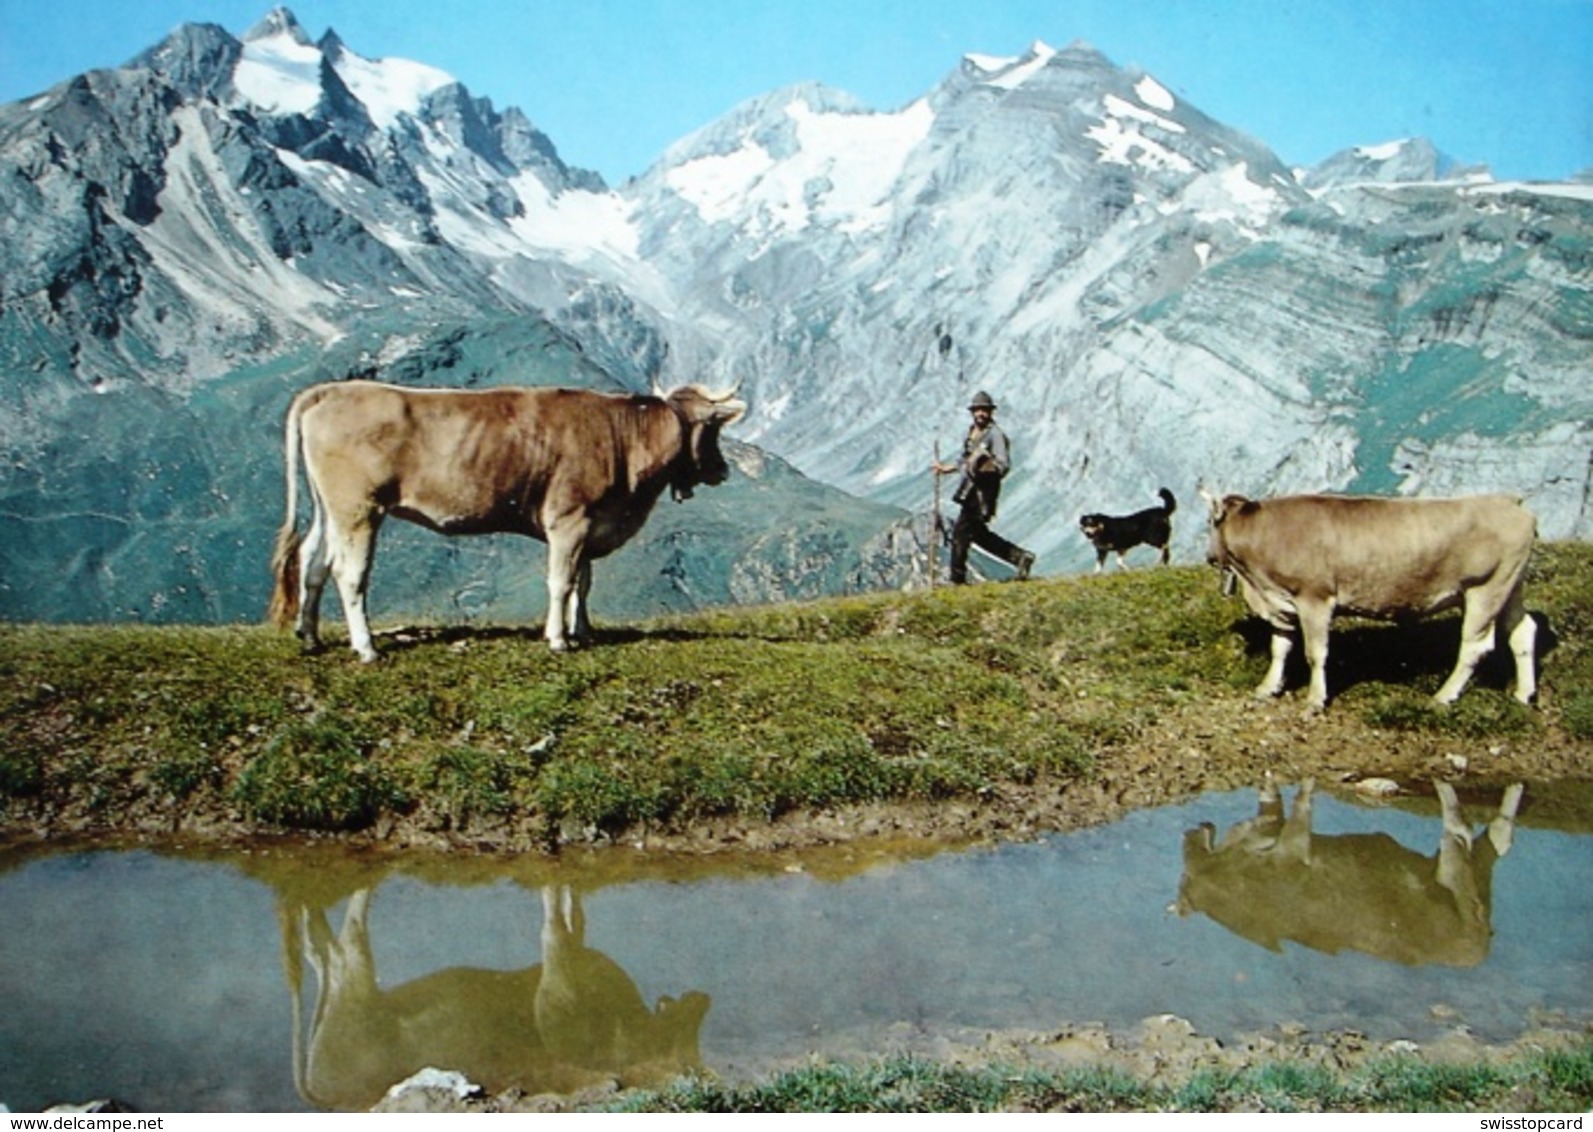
[(197, 58), (1012, 71), (1403, 161), (765, 122), (278, 22), (331, 45)]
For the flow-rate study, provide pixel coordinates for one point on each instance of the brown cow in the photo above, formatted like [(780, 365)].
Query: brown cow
[(1299, 559), (576, 469)]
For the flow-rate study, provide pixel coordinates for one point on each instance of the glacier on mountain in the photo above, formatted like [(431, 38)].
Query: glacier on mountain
[(279, 72)]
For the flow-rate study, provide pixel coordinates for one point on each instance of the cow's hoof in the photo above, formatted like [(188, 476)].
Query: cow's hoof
[(559, 646), (370, 657)]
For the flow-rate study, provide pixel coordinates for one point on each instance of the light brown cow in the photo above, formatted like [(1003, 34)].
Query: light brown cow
[(1271, 878), (576, 469), (1300, 559)]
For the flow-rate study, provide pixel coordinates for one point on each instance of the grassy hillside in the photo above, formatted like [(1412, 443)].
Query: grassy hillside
[(1132, 686)]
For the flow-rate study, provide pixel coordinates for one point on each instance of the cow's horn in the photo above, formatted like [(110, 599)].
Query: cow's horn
[(1213, 502)]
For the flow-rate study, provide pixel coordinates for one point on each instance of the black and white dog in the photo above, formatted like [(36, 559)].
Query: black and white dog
[(1114, 534)]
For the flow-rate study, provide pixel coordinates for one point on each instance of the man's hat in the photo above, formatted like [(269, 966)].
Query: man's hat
[(981, 400)]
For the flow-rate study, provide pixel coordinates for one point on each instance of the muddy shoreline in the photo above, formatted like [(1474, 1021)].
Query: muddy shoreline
[(1213, 746)]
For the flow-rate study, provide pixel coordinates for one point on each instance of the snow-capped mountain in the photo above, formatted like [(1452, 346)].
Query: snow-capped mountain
[(191, 237), (946, 246), (222, 198), (1152, 297)]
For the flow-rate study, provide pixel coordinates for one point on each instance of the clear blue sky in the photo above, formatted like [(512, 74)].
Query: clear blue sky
[(613, 82)]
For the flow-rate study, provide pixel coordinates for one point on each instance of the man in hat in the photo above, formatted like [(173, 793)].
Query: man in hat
[(986, 458)]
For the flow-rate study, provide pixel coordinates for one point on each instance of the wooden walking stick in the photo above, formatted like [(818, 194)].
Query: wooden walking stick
[(934, 521)]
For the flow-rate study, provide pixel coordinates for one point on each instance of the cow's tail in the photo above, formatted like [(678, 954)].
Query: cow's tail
[(284, 609), (1168, 500)]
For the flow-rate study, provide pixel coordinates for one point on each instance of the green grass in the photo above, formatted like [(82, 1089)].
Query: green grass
[(1557, 1081), (756, 712)]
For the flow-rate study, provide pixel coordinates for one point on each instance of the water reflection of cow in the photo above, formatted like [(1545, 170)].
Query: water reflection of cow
[(1271, 879), (573, 1020)]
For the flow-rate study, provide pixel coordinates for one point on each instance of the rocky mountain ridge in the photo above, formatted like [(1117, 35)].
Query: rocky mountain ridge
[(1153, 297)]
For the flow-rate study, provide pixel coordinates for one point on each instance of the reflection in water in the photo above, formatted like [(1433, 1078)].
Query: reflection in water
[(572, 1020), (158, 978), (1271, 878)]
